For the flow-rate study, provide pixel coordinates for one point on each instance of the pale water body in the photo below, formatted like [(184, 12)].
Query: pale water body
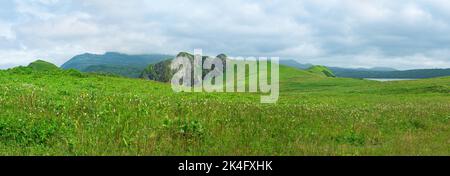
[(387, 79)]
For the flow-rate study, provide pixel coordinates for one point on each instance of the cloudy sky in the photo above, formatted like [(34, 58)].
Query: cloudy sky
[(348, 33)]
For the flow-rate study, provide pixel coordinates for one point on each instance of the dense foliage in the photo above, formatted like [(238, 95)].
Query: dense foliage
[(321, 70), (58, 112)]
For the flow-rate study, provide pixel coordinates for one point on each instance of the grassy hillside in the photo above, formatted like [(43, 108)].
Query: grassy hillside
[(72, 113), (321, 70), (125, 71)]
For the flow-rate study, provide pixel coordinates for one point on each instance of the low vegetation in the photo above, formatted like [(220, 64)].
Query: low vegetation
[(113, 63), (56, 112)]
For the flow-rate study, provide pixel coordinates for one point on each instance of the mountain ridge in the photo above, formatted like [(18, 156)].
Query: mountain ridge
[(113, 63)]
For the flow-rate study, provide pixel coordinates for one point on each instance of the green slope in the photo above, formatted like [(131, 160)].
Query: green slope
[(321, 70), (114, 63), (41, 65)]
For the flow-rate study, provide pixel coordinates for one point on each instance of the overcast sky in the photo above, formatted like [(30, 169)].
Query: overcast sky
[(347, 33)]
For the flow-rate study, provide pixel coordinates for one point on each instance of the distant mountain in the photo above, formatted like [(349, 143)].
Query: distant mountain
[(153, 67), (365, 69), (321, 70), (415, 74), (376, 69), (114, 63), (295, 64), (380, 69), (41, 65)]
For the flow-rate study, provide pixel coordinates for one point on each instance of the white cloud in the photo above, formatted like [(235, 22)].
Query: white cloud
[(402, 34)]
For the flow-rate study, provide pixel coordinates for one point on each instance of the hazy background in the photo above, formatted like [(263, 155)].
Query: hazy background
[(352, 33)]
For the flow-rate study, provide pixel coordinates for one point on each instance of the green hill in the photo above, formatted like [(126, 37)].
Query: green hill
[(321, 70), (114, 63), (161, 71), (64, 112), (41, 65), (412, 74)]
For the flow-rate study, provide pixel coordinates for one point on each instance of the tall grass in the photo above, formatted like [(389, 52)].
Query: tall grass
[(69, 113)]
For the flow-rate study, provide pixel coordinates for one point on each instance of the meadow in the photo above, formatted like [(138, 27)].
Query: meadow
[(55, 112)]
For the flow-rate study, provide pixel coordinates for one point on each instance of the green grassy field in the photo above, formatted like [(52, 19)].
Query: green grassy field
[(57, 112)]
